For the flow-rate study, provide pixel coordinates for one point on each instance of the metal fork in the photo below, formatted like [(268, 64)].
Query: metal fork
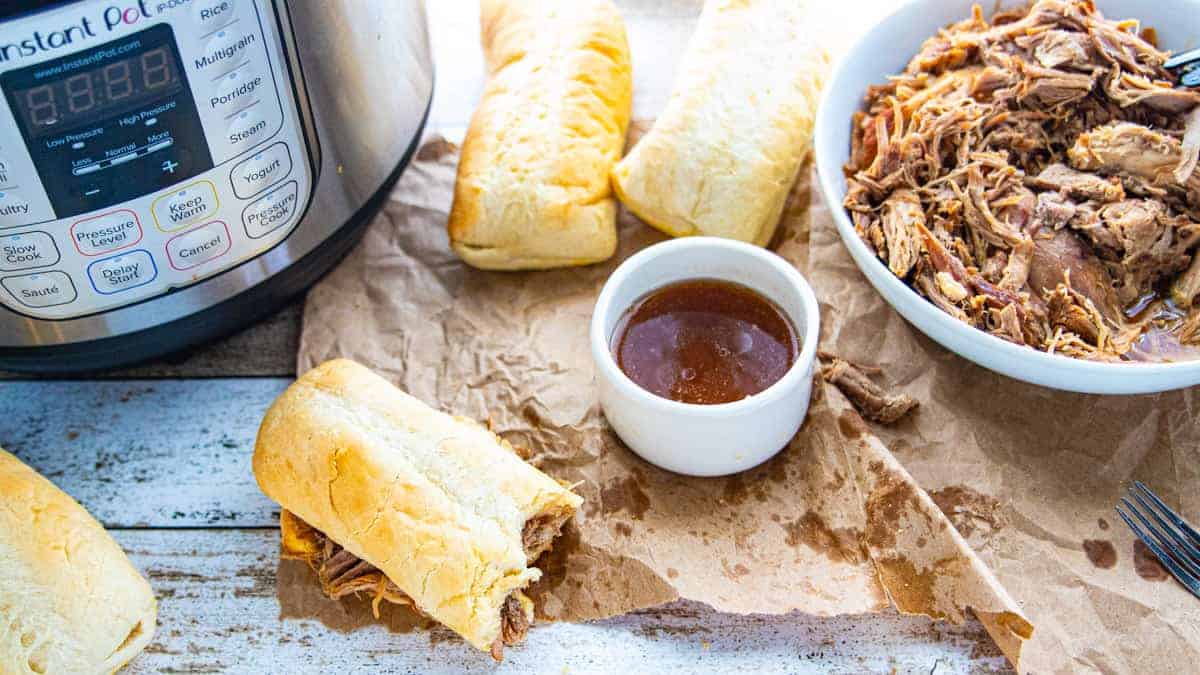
[(1187, 65), (1175, 543)]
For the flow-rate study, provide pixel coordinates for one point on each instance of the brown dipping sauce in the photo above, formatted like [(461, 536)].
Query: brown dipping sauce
[(705, 341)]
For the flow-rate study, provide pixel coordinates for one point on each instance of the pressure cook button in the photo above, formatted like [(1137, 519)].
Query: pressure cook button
[(261, 171), (192, 203), (14, 209), (199, 246), (213, 12), (106, 233), (26, 251), (44, 289), (247, 128), (122, 272), (272, 211)]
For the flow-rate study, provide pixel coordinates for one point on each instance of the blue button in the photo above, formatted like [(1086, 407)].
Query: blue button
[(122, 272)]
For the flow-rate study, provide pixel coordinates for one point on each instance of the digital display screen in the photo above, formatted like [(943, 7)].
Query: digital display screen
[(79, 96), (110, 123)]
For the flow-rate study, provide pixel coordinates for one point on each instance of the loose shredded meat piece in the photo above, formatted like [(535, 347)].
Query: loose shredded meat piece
[(868, 397), (1033, 175)]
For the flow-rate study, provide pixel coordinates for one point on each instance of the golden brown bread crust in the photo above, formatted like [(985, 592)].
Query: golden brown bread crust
[(723, 155), (70, 600), (437, 503), (533, 189)]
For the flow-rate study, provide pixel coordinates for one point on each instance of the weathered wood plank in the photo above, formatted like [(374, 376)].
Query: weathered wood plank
[(157, 453), (218, 612)]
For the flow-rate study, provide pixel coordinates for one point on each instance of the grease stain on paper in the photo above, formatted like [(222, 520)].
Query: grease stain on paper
[(1101, 553), (1146, 564)]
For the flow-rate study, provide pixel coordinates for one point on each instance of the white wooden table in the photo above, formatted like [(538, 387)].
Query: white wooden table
[(161, 455)]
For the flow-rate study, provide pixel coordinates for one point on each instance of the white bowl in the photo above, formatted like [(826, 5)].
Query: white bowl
[(705, 440), (884, 50)]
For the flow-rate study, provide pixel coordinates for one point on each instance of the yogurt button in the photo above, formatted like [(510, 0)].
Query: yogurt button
[(44, 289), (189, 204), (260, 171), (272, 211), (14, 209), (199, 246), (106, 233), (213, 12), (122, 272), (27, 250)]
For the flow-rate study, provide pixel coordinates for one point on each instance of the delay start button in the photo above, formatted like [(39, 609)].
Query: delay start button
[(198, 246), (107, 232), (271, 212), (122, 272), (190, 204)]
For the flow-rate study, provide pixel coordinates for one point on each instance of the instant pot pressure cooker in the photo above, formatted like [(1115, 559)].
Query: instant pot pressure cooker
[(171, 170)]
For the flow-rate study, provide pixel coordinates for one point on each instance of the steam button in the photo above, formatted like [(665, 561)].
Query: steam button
[(43, 289), (246, 129)]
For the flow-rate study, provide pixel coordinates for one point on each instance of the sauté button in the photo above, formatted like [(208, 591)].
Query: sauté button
[(122, 272), (272, 211), (261, 171), (199, 246), (14, 209), (43, 289), (191, 203), (27, 250), (106, 233)]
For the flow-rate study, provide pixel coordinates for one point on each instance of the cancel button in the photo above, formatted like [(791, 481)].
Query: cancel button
[(198, 246)]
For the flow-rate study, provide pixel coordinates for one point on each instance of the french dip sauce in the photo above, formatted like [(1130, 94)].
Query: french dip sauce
[(705, 341)]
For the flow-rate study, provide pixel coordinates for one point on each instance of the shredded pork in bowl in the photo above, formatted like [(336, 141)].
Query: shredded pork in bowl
[(1032, 175)]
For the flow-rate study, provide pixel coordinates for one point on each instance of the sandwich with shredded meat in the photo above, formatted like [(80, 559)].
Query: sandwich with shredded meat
[(1033, 175), (386, 497)]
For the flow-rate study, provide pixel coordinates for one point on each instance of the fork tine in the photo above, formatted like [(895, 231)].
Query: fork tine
[(1164, 540), (1169, 512), (1180, 60), (1189, 582), (1166, 534)]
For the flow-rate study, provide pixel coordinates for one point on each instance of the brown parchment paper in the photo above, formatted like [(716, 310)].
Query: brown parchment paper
[(833, 525)]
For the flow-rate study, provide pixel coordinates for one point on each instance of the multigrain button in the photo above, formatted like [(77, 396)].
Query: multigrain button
[(122, 272), (199, 246), (272, 211), (43, 289), (27, 250), (106, 233), (261, 171), (225, 50), (14, 209), (189, 204)]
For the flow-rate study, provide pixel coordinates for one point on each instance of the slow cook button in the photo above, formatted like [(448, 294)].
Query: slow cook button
[(261, 171), (271, 212), (198, 246), (192, 203), (27, 250), (106, 233), (44, 289), (122, 272)]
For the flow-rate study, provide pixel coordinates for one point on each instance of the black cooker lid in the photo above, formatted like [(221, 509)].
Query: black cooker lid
[(11, 8)]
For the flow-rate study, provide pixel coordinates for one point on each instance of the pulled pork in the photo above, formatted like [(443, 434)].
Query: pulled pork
[(1034, 176)]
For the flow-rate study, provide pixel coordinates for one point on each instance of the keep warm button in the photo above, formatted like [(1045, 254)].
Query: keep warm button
[(198, 246), (122, 272)]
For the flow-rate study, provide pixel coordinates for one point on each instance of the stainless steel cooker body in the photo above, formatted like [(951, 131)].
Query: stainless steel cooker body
[(171, 170)]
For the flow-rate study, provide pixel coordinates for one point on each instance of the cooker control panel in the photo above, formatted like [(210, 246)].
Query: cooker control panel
[(143, 147)]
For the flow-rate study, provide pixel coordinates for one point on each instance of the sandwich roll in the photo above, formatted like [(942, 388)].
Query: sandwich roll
[(70, 600), (384, 495), (533, 189), (726, 150)]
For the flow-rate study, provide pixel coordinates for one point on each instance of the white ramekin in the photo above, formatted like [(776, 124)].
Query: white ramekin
[(705, 440)]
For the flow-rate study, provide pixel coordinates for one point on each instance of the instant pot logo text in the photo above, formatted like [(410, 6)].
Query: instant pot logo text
[(107, 20)]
